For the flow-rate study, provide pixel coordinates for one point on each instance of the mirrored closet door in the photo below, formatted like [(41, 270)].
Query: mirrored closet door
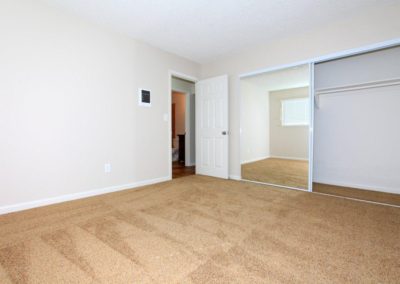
[(275, 121)]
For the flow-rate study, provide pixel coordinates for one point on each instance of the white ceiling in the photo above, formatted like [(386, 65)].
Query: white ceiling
[(294, 77), (203, 30)]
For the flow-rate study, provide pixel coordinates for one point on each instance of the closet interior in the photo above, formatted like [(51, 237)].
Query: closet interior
[(357, 126)]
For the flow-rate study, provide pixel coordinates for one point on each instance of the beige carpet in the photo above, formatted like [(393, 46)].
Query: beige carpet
[(362, 194), (293, 173), (203, 230)]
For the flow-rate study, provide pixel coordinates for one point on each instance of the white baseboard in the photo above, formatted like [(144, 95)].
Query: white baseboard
[(289, 158), (235, 177), (255, 160), (359, 186), (78, 195)]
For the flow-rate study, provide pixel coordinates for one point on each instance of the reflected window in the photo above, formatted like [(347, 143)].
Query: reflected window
[(295, 112)]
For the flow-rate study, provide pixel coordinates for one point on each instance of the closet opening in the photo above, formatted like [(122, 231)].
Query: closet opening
[(356, 126)]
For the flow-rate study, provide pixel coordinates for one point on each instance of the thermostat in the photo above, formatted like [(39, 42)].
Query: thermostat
[(144, 97)]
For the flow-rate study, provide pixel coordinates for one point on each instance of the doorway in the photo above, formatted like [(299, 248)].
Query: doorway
[(183, 127)]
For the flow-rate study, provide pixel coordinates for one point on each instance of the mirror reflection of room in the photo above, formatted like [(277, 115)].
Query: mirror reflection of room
[(275, 127)]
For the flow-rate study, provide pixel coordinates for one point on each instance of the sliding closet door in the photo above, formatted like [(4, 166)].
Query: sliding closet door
[(357, 121)]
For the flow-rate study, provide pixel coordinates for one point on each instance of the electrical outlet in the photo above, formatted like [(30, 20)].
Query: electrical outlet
[(107, 168)]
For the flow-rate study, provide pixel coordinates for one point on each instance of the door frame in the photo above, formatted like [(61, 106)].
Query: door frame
[(311, 62), (172, 73)]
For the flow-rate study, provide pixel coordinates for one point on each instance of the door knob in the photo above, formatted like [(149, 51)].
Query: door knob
[(224, 132)]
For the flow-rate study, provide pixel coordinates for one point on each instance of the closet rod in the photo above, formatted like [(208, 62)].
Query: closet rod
[(362, 86)]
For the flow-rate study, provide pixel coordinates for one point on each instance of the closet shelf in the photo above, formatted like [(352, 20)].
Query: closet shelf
[(356, 87)]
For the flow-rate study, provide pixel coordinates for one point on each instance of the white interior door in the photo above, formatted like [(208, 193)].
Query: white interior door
[(212, 127)]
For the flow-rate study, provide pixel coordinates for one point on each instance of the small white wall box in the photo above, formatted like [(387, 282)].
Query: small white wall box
[(144, 98)]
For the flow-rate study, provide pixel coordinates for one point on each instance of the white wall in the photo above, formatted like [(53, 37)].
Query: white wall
[(68, 104), (182, 86), (357, 146), (190, 160), (363, 68), (290, 142), (368, 27), (255, 122)]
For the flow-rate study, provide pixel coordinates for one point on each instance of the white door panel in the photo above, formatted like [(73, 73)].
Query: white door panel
[(212, 127)]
